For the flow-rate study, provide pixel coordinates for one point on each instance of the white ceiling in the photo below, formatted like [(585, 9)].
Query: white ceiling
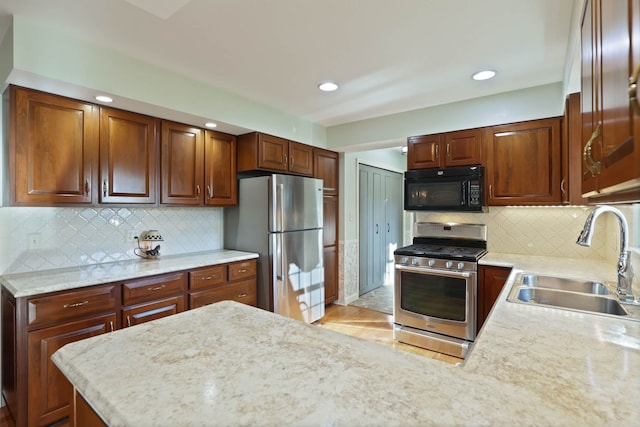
[(388, 56)]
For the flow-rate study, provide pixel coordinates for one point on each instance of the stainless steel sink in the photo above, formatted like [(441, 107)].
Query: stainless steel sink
[(567, 293), (570, 300), (565, 284)]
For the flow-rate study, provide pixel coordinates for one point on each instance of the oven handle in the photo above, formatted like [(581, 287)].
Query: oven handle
[(423, 270)]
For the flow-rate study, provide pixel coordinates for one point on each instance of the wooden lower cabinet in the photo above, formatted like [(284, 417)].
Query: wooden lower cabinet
[(235, 281), (34, 327), (330, 274), (491, 280), (83, 414), (49, 391)]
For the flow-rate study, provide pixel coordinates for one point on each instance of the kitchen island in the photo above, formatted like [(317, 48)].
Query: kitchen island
[(229, 364)]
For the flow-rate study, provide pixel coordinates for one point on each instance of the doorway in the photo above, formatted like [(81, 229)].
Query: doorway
[(380, 226)]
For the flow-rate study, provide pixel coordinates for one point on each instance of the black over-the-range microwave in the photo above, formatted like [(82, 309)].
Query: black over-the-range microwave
[(455, 189)]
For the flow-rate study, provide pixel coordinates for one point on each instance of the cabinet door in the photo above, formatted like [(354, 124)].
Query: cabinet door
[(54, 149), (48, 389), (182, 163), (128, 157), (618, 146), (463, 148), (589, 102), (141, 313), (300, 158), (273, 153), (220, 169), (491, 280), (325, 167), (524, 162), (423, 152), (330, 274)]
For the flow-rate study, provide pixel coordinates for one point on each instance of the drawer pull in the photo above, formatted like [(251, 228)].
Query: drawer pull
[(242, 295), (128, 320), (76, 304), (207, 278), (243, 270), (157, 288), (111, 325)]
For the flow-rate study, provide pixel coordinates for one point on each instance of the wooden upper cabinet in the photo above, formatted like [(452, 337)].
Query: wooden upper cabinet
[(463, 148), (523, 163), (182, 164), (610, 55), (459, 148), (53, 149), (259, 151), (300, 158), (220, 169), (325, 167), (128, 157), (423, 152)]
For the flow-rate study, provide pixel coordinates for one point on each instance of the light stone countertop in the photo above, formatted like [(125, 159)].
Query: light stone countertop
[(229, 364), (40, 282)]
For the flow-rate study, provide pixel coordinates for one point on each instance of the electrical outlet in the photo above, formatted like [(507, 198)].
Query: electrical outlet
[(130, 235), (33, 241)]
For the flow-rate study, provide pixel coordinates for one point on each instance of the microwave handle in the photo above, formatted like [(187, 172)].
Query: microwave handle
[(465, 184)]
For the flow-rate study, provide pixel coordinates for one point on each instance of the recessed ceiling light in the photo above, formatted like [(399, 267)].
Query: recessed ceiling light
[(104, 98), (483, 75), (211, 125), (328, 86)]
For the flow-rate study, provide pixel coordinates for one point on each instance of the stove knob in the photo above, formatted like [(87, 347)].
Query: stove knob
[(404, 260), (414, 261), (449, 264), (432, 262), (460, 265)]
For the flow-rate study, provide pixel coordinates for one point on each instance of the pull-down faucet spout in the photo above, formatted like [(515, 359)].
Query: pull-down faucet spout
[(625, 271)]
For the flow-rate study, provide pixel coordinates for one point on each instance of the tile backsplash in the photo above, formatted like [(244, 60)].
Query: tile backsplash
[(70, 237), (544, 231)]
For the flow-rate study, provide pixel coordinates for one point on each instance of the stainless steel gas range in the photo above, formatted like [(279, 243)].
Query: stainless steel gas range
[(435, 301)]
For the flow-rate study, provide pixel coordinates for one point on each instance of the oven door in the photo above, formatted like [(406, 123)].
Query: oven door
[(439, 301)]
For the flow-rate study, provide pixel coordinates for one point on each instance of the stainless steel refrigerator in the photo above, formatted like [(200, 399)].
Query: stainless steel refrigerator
[(280, 217)]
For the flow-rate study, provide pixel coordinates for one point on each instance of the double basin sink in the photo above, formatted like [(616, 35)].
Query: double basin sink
[(566, 293)]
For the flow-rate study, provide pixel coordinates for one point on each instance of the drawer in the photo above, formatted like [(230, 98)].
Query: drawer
[(242, 270), (147, 312), (208, 276), (71, 305), (153, 288), (244, 292)]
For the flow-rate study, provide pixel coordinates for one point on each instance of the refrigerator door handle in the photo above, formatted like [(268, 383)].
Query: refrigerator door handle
[(279, 206)]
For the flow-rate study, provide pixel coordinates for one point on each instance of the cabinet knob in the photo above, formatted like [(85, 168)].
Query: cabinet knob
[(210, 191), (448, 150), (437, 151), (157, 288), (242, 295), (198, 190), (104, 188), (86, 187)]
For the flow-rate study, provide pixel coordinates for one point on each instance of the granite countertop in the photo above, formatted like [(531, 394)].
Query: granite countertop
[(230, 364), (40, 282)]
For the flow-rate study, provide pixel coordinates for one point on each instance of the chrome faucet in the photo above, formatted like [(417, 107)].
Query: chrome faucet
[(625, 271)]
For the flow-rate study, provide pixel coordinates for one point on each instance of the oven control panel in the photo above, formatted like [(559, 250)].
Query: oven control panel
[(435, 263)]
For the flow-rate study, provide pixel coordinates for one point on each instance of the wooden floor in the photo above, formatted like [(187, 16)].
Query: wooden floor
[(359, 322), (372, 326)]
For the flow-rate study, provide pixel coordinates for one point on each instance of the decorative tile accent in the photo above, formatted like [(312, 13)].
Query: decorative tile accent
[(347, 271), (72, 237)]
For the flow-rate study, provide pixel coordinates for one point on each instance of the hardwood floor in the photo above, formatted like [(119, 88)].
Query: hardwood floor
[(356, 321), (372, 326)]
